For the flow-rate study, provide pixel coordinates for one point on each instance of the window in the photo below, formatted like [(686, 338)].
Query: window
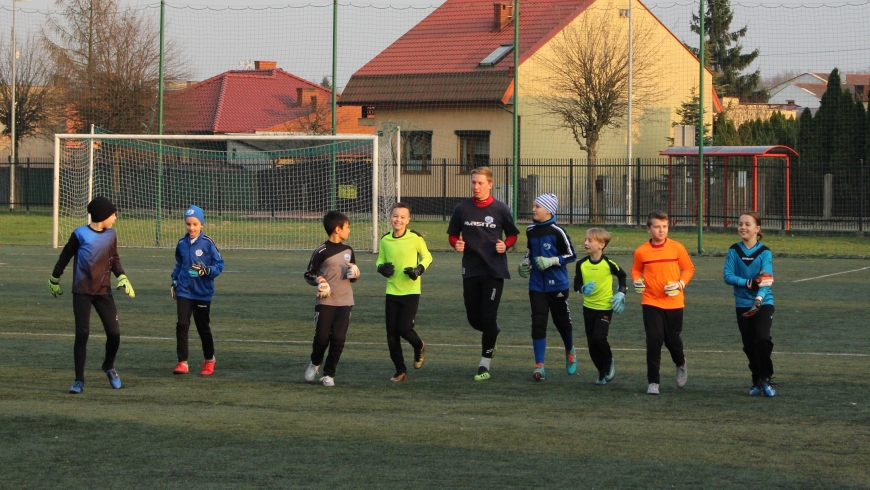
[(473, 149), (496, 56), (417, 152)]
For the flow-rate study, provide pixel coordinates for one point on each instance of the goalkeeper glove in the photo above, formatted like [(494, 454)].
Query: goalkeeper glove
[(352, 271), (674, 288), (124, 283), (415, 272), (54, 286), (639, 286), (587, 288), (525, 267), (323, 289), (173, 288), (387, 269), (199, 269), (764, 279), (544, 262), (756, 305), (618, 302)]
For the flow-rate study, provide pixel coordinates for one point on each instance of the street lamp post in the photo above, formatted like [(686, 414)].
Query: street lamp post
[(12, 152)]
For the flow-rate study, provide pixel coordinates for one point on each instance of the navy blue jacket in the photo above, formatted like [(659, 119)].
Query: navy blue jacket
[(549, 240), (203, 250)]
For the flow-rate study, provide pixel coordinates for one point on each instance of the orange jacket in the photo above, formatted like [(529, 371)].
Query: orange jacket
[(658, 265)]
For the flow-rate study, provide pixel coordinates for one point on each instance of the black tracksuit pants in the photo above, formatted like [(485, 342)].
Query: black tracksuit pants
[(482, 295), (597, 323), (662, 327), (200, 311), (105, 306), (757, 343), (330, 331), (400, 312)]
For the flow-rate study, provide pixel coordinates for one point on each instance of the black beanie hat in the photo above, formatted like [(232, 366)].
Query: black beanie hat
[(100, 209)]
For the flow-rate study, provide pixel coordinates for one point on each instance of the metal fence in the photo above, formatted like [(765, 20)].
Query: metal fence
[(27, 184)]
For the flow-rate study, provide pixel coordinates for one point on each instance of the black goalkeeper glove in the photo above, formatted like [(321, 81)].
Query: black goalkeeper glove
[(415, 272), (386, 269), (756, 305)]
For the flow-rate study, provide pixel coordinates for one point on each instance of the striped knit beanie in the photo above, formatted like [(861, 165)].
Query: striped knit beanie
[(549, 202)]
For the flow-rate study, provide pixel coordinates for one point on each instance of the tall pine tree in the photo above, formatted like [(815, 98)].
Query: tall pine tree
[(724, 55)]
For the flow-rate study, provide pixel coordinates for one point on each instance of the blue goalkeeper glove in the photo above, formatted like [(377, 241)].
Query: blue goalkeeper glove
[(124, 283), (618, 302), (199, 269), (587, 288), (415, 272), (387, 269), (54, 286)]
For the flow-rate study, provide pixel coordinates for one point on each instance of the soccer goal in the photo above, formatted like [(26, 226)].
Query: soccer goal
[(262, 191)]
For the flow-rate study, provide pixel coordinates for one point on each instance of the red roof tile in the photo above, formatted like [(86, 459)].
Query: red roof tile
[(817, 89), (238, 101)]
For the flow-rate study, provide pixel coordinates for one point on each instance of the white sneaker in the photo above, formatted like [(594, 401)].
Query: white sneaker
[(682, 375), (652, 389), (311, 372), (327, 381)]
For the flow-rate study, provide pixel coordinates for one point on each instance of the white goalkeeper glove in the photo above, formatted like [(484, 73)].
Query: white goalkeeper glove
[(639, 286), (352, 271), (323, 289), (674, 288), (542, 263)]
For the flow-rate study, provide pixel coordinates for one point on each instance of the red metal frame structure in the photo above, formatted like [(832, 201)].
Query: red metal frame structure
[(756, 152)]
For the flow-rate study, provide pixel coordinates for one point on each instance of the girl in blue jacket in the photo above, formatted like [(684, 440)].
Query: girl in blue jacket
[(749, 268), (549, 252), (197, 262)]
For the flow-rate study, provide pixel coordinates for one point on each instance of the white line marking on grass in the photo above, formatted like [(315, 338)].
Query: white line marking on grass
[(834, 274), (469, 346)]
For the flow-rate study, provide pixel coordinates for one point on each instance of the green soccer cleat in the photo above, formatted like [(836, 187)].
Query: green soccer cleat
[(571, 361), (539, 374), (482, 374)]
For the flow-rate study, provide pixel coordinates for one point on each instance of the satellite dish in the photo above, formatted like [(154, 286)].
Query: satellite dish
[(246, 64)]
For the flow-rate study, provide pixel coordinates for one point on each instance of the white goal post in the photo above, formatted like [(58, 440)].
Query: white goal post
[(258, 191)]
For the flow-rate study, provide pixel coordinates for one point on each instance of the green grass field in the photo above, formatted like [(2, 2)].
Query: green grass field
[(255, 424)]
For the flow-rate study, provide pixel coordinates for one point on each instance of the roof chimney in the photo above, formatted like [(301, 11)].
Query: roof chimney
[(504, 14), (307, 95), (265, 65)]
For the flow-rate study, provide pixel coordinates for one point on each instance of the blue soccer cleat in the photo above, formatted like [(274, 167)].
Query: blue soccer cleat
[(767, 388), (602, 380), (114, 379), (539, 374), (755, 390), (77, 388), (611, 372), (571, 361)]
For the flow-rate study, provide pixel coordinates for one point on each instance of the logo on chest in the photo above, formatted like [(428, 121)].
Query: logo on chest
[(198, 253)]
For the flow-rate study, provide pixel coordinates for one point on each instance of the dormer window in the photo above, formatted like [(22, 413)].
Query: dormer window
[(496, 56)]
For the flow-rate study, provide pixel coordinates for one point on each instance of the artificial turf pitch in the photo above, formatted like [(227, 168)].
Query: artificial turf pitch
[(255, 423)]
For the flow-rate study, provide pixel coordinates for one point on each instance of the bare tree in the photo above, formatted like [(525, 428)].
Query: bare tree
[(107, 60), (39, 108), (585, 72)]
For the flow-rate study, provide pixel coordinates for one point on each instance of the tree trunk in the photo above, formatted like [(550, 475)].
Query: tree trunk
[(591, 177)]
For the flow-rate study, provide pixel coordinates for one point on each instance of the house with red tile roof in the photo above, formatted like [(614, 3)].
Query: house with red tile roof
[(448, 84)]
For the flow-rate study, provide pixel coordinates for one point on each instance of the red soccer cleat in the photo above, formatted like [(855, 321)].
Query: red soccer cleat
[(180, 368), (207, 367)]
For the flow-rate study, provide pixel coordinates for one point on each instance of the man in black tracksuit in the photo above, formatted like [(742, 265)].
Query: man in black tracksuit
[(476, 228)]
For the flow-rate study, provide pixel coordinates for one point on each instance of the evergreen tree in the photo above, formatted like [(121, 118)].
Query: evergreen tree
[(805, 145), (325, 83), (724, 55), (724, 131), (688, 114)]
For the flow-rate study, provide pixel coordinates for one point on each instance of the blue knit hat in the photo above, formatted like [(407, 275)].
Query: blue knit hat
[(196, 212), (549, 202)]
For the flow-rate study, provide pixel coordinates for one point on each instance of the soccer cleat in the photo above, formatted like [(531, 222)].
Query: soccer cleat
[(602, 379), (611, 372), (180, 368), (399, 377), (311, 372), (114, 379), (539, 374), (418, 362), (652, 389), (755, 390), (77, 388), (767, 388), (207, 367), (682, 375), (482, 374), (571, 361), (327, 381)]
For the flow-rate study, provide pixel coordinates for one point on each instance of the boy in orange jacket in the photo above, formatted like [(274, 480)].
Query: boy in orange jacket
[(661, 270)]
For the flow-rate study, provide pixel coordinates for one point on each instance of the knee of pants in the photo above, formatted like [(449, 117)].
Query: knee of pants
[(763, 344), (539, 329), (488, 321), (598, 337)]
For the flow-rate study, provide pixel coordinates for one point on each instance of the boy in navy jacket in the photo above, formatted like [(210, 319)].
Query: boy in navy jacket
[(197, 262), (545, 264)]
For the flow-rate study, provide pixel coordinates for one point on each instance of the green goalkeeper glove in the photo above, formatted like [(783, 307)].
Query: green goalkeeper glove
[(124, 283), (54, 286), (544, 262), (199, 269), (525, 267)]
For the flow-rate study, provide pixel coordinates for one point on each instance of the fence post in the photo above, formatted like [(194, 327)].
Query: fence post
[(443, 189), (784, 193), (861, 199), (571, 191), (27, 187)]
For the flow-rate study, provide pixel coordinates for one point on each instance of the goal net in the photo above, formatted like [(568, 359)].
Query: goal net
[(262, 191)]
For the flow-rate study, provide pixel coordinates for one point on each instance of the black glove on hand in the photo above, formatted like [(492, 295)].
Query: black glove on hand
[(414, 272), (386, 269)]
